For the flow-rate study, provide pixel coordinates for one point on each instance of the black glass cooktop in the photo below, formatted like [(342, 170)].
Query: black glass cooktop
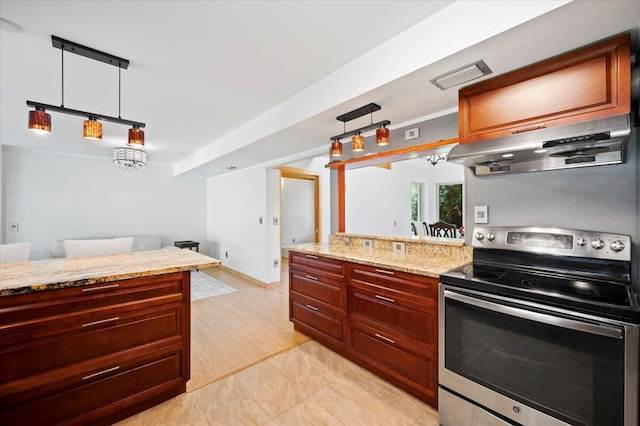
[(606, 298)]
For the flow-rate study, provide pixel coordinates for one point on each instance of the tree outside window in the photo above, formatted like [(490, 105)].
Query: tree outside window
[(450, 203), (416, 201)]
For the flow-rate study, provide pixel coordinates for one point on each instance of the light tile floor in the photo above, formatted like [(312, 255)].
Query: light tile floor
[(306, 385)]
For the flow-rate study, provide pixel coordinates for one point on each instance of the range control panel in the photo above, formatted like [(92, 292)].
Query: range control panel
[(565, 242)]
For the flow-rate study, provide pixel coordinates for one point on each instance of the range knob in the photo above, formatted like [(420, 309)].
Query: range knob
[(479, 236), (581, 242), (617, 246), (597, 244), (490, 236)]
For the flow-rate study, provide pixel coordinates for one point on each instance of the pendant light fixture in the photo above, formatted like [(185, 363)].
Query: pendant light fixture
[(92, 129), (336, 148), (40, 120), (382, 136), (136, 137), (357, 140)]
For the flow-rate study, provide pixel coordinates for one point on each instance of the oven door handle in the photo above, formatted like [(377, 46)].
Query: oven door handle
[(600, 330)]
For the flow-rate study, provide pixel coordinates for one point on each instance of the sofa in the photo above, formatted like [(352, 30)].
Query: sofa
[(113, 245)]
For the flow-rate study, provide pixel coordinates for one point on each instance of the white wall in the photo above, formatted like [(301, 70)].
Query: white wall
[(236, 201), (56, 196), (378, 201)]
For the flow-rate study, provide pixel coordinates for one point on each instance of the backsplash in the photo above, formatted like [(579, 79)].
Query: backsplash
[(418, 246)]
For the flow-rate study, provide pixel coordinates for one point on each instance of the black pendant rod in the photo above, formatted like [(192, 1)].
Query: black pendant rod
[(62, 61), (47, 107), (361, 129), (119, 89)]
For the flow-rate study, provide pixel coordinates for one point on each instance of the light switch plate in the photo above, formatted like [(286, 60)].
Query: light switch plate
[(412, 133), (13, 227), (367, 243), (398, 247), (275, 220)]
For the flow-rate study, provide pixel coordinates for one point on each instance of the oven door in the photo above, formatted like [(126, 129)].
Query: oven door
[(527, 363)]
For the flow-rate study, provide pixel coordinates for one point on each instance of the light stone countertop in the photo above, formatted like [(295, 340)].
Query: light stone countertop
[(432, 262), (50, 274)]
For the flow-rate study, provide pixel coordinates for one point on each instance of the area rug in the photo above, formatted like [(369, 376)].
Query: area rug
[(204, 286)]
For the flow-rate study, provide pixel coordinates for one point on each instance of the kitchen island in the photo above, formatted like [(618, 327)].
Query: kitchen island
[(375, 301), (94, 339)]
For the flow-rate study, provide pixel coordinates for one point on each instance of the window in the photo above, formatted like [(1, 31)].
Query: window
[(416, 201), (450, 203)]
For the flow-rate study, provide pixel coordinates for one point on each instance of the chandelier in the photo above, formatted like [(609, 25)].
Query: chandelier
[(433, 159), (40, 120), (129, 158)]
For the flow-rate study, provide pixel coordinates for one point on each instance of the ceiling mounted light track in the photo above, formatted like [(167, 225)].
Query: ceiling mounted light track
[(40, 120), (357, 140)]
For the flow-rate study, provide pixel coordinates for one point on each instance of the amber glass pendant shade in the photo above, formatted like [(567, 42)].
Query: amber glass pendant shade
[(136, 137), (357, 143), (336, 149), (39, 122), (92, 129), (382, 136)]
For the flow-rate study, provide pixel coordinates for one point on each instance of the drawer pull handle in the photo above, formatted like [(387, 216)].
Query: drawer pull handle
[(102, 287), (89, 324), (382, 271), (312, 308), (528, 129), (310, 256), (386, 339), (388, 299), (311, 277), (108, 370)]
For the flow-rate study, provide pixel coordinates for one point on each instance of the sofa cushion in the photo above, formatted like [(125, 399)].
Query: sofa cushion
[(17, 252), (147, 242), (81, 248)]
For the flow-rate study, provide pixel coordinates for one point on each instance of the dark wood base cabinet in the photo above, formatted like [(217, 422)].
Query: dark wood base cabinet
[(94, 354), (384, 320)]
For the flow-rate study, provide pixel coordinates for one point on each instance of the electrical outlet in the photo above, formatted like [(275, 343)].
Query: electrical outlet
[(276, 263), (367, 243), (260, 220), (13, 227), (398, 247)]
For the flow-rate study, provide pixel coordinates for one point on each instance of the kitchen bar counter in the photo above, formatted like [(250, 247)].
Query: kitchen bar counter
[(50, 274), (429, 258)]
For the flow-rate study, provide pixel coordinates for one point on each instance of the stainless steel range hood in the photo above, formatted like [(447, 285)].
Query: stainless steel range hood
[(591, 143)]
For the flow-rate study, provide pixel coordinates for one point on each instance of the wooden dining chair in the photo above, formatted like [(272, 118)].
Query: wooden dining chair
[(442, 230)]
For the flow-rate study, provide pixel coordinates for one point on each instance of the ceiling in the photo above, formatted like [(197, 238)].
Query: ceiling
[(240, 83)]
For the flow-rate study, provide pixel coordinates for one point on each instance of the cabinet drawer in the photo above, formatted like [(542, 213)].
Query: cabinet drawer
[(34, 346), (168, 287), (330, 268), (326, 290), (412, 366), (398, 318), (318, 317), (94, 394), (398, 285)]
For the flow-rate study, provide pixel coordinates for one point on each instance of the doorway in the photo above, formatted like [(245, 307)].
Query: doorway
[(300, 210)]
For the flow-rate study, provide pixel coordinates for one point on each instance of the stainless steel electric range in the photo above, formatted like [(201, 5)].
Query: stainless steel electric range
[(542, 328)]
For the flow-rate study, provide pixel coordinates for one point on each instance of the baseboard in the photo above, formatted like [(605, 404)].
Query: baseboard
[(249, 278)]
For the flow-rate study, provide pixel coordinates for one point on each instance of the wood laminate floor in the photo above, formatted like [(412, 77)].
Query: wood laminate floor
[(250, 367)]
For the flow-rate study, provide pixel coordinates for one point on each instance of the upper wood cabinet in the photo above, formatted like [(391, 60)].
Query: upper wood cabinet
[(584, 84)]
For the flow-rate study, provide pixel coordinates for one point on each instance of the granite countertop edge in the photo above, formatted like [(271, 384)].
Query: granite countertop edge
[(412, 264), (47, 277)]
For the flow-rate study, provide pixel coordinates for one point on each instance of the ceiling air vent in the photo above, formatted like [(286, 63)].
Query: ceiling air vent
[(461, 75)]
